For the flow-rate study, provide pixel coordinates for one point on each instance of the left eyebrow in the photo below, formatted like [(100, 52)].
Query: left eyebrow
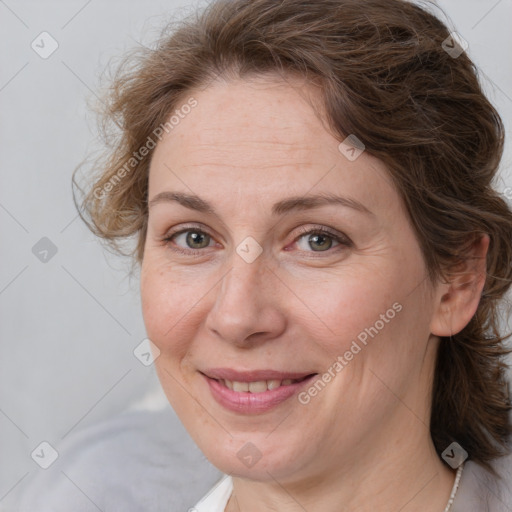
[(194, 202), (315, 201)]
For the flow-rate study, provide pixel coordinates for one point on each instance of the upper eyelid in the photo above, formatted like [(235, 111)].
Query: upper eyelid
[(340, 237), (184, 229), (304, 231)]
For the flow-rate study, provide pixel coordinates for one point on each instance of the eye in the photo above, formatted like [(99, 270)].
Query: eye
[(320, 239), (191, 240), (187, 241), (195, 239)]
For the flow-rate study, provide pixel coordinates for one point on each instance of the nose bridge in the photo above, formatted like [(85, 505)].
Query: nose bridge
[(244, 282), (244, 303), (248, 263)]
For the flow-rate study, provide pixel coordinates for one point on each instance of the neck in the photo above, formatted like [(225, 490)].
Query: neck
[(408, 476)]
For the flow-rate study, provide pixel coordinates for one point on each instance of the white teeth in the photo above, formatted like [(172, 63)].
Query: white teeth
[(273, 384), (258, 386), (240, 386)]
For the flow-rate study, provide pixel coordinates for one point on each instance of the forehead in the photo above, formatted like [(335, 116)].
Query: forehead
[(261, 137), (265, 113)]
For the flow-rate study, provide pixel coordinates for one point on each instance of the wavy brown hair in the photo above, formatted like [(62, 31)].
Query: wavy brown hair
[(384, 75)]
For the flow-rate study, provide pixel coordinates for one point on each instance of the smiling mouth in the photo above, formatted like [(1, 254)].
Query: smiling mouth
[(259, 386), (254, 392)]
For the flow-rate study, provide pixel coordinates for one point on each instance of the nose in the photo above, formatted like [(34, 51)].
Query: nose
[(246, 309)]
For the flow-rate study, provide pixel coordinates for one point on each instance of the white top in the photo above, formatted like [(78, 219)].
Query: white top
[(471, 491), (218, 497), (145, 460)]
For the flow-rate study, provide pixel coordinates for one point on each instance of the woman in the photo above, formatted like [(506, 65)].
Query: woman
[(322, 254)]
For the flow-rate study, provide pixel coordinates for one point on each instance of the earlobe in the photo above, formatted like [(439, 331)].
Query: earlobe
[(457, 299)]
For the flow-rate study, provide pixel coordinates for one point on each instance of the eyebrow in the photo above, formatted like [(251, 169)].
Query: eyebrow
[(296, 203)]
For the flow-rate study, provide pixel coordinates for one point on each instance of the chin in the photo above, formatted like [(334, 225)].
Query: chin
[(252, 456)]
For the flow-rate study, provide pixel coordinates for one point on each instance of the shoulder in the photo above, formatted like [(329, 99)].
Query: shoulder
[(216, 499), (479, 490), (142, 460)]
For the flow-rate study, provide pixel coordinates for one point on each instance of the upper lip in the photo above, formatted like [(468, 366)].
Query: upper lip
[(252, 375)]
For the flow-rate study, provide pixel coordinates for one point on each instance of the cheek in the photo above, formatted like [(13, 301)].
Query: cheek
[(344, 306), (371, 315), (166, 306)]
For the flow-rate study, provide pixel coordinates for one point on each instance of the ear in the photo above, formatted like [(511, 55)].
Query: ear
[(457, 299)]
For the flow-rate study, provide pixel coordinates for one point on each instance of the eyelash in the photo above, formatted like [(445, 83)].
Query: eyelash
[(319, 230)]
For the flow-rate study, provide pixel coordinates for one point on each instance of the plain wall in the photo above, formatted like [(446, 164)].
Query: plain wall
[(69, 325)]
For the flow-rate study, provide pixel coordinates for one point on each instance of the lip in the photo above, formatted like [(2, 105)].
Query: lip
[(253, 403), (253, 375)]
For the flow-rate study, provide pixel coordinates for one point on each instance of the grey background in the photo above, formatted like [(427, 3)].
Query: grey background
[(69, 325)]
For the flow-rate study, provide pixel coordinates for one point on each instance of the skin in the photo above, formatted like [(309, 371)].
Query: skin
[(363, 443)]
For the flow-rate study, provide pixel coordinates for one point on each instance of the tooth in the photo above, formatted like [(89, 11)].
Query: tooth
[(273, 384), (286, 382), (240, 386), (258, 386), (228, 384)]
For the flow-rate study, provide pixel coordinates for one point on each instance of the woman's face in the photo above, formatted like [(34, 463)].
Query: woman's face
[(238, 284)]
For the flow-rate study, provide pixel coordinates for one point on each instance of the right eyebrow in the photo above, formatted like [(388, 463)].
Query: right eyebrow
[(192, 202)]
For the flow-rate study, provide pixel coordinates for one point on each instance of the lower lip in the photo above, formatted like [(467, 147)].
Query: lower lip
[(253, 403)]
